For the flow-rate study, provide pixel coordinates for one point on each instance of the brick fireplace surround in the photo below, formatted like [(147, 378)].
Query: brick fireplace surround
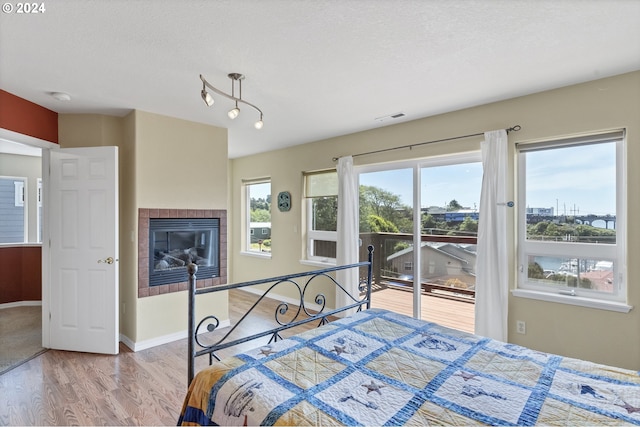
[(144, 290)]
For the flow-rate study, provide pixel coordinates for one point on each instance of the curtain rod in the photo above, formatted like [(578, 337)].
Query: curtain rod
[(515, 128)]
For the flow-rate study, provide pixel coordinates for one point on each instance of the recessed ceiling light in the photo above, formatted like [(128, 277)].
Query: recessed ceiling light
[(61, 96)]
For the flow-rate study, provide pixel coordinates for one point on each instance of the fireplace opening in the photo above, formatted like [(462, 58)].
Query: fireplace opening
[(176, 242)]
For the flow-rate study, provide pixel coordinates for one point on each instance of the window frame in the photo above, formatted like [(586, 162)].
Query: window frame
[(39, 220), (320, 235), (20, 200), (247, 230), (525, 287)]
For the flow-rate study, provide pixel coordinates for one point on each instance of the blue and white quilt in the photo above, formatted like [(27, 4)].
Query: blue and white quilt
[(382, 368)]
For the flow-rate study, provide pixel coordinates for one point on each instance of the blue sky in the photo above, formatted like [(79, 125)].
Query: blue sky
[(440, 184), (578, 180), (574, 180)]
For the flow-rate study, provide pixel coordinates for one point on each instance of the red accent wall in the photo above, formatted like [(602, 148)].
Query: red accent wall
[(25, 117), (20, 274)]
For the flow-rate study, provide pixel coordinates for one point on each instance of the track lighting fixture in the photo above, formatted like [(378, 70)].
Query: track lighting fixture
[(234, 112)]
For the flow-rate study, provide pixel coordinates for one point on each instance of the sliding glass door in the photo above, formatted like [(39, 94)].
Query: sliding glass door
[(450, 199), (387, 222), (432, 205)]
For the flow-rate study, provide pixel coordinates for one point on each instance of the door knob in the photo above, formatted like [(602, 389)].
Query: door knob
[(106, 260)]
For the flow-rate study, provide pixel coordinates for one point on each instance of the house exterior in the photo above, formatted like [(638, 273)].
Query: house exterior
[(441, 263), (259, 231)]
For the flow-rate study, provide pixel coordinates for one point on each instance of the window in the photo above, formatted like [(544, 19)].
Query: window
[(571, 235), (258, 216), (321, 196), (13, 210)]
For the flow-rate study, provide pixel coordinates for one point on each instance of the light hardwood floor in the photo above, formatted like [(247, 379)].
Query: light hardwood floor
[(446, 312), (132, 388)]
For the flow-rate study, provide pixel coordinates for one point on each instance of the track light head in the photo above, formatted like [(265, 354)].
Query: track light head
[(208, 99), (258, 125), (234, 112)]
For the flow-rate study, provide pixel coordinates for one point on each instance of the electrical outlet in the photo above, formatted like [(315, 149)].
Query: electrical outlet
[(521, 327)]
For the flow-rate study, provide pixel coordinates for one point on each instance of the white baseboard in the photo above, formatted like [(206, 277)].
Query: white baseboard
[(20, 304), (165, 339)]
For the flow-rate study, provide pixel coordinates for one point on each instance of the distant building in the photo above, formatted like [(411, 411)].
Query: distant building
[(540, 211), (441, 214), (440, 262), (460, 215), (260, 231)]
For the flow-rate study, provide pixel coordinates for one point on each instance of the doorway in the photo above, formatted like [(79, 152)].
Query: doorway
[(20, 253)]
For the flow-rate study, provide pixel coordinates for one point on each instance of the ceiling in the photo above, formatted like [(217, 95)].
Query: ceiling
[(317, 69)]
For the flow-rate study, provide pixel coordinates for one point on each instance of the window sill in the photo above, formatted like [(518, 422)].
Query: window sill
[(572, 300), (317, 263), (263, 255), (21, 245)]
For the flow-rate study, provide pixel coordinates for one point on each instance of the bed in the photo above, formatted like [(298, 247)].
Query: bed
[(376, 367)]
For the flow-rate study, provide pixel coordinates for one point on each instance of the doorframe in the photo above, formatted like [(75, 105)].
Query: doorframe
[(45, 146)]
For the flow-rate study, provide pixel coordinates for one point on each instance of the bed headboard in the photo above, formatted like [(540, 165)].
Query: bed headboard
[(304, 314)]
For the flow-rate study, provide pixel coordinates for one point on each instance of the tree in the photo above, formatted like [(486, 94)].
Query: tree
[(453, 205), (377, 224), (260, 203), (325, 213), (428, 221), (384, 204), (469, 225), (579, 232), (260, 215), (260, 209), (535, 271)]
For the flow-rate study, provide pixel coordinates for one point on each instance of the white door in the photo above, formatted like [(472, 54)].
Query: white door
[(83, 232)]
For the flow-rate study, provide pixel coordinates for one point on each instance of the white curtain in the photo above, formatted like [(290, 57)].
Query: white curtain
[(492, 287), (347, 245)]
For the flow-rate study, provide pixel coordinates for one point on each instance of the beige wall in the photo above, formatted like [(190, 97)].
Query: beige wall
[(567, 330), (89, 130), (182, 165), (163, 163)]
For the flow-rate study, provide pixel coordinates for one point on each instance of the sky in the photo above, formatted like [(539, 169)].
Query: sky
[(440, 184), (574, 180)]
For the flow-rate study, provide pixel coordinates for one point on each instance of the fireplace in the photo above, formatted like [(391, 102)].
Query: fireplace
[(174, 243), (201, 242)]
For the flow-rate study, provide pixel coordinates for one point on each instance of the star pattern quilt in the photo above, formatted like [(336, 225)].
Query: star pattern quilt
[(382, 368)]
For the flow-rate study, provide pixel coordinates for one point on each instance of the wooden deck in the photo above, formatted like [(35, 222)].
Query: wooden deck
[(446, 312)]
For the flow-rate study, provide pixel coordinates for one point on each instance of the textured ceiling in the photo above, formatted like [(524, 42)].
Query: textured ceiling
[(318, 68)]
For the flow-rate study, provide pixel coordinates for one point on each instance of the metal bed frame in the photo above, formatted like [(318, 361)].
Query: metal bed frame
[(301, 282)]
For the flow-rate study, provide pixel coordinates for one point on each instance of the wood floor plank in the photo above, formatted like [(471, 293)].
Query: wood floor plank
[(147, 387)]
